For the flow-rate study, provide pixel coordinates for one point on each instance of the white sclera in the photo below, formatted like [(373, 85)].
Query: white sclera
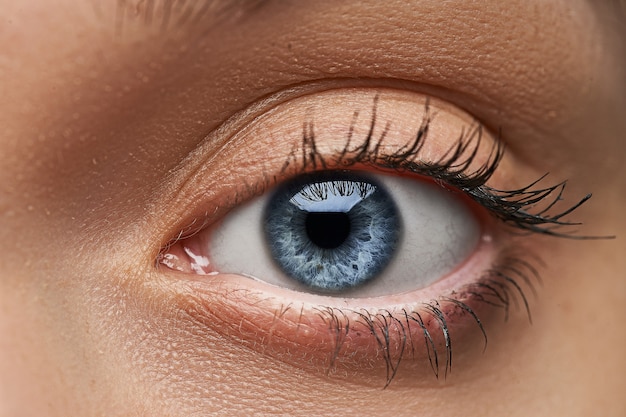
[(439, 232)]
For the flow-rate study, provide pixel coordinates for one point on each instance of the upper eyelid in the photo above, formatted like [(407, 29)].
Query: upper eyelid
[(222, 134), (273, 84), (225, 137), (507, 205)]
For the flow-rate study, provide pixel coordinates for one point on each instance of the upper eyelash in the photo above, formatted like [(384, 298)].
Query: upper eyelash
[(510, 206)]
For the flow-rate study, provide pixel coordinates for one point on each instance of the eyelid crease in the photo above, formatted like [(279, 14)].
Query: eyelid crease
[(455, 168)]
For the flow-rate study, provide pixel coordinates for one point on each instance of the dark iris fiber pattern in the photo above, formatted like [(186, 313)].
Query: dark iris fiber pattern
[(332, 231)]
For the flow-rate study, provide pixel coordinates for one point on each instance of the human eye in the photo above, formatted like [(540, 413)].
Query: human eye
[(359, 228), (344, 233)]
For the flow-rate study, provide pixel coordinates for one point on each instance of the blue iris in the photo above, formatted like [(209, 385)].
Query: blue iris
[(332, 231)]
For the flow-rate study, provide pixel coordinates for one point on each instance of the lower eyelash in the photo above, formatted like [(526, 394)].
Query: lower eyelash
[(397, 334)]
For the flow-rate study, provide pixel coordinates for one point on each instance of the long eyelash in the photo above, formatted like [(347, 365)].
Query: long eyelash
[(498, 288), (513, 207)]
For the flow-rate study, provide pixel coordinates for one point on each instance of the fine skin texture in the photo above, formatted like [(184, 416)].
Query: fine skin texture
[(123, 121)]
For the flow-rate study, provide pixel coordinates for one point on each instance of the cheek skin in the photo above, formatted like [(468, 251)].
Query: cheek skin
[(51, 353)]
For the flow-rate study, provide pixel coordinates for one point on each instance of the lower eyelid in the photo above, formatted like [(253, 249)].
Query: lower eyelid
[(337, 337)]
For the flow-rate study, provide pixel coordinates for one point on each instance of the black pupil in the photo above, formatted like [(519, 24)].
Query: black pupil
[(328, 230)]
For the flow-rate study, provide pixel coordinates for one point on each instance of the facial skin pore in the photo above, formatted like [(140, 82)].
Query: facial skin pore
[(119, 120)]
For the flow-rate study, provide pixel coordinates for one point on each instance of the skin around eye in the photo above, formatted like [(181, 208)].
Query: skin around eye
[(101, 102), (435, 231), (340, 335)]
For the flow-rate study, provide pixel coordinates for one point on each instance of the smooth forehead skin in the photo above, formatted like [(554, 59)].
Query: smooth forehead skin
[(100, 102)]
